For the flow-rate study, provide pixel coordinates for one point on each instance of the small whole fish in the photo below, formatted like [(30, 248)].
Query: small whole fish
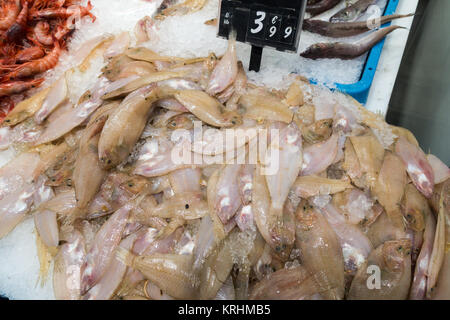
[(346, 51), (286, 284), (393, 260), (320, 251), (347, 29), (68, 262), (352, 12), (124, 126)]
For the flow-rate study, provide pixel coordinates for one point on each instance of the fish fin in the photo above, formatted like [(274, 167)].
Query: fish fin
[(276, 213), (125, 256), (45, 258), (68, 220)]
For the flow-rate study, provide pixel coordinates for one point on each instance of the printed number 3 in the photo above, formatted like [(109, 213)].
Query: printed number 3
[(258, 22)]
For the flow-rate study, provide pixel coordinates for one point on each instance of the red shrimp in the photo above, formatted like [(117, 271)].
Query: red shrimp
[(64, 12), (42, 4), (10, 10), (24, 55), (18, 30), (10, 88), (61, 32), (63, 29), (41, 32), (28, 54), (37, 66), (7, 53)]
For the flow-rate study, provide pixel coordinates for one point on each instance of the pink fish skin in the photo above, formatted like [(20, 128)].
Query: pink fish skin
[(417, 166), (103, 248), (318, 157)]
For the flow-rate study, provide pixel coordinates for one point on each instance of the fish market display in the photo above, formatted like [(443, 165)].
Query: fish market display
[(178, 178)]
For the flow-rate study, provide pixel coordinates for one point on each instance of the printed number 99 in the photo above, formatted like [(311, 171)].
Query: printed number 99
[(287, 32)]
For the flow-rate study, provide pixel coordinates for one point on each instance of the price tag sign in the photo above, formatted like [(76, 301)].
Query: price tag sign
[(262, 23)]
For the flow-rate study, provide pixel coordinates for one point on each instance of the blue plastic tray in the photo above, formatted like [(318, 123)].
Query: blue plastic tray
[(360, 89)]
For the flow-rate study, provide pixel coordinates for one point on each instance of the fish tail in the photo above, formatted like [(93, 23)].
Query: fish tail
[(276, 213), (77, 213), (125, 256)]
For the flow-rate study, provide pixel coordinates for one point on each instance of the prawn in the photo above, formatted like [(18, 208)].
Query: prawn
[(41, 32), (42, 4), (11, 10), (37, 66), (28, 54), (7, 89), (18, 29), (62, 30), (24, 55), (64, 12), (7, 51)]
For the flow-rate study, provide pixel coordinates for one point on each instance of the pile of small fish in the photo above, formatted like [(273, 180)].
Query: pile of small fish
[(122, 218), (32, 33), (344, 24)]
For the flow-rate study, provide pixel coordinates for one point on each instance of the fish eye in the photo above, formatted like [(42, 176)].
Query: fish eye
[(186, 206)]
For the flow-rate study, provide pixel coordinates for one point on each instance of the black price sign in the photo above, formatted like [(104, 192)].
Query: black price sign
[(273, 23)]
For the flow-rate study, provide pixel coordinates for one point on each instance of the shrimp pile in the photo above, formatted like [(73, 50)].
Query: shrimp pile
[(326, 208), (32, 33)]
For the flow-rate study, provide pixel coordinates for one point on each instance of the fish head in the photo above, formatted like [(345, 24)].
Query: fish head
[(182, 121), (232, 118), (305, 216), (317, 50), (395, 253)]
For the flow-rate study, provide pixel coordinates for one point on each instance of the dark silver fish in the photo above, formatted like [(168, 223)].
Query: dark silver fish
[(347, 29), (164, 5), (352, 12), (344, 50)]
